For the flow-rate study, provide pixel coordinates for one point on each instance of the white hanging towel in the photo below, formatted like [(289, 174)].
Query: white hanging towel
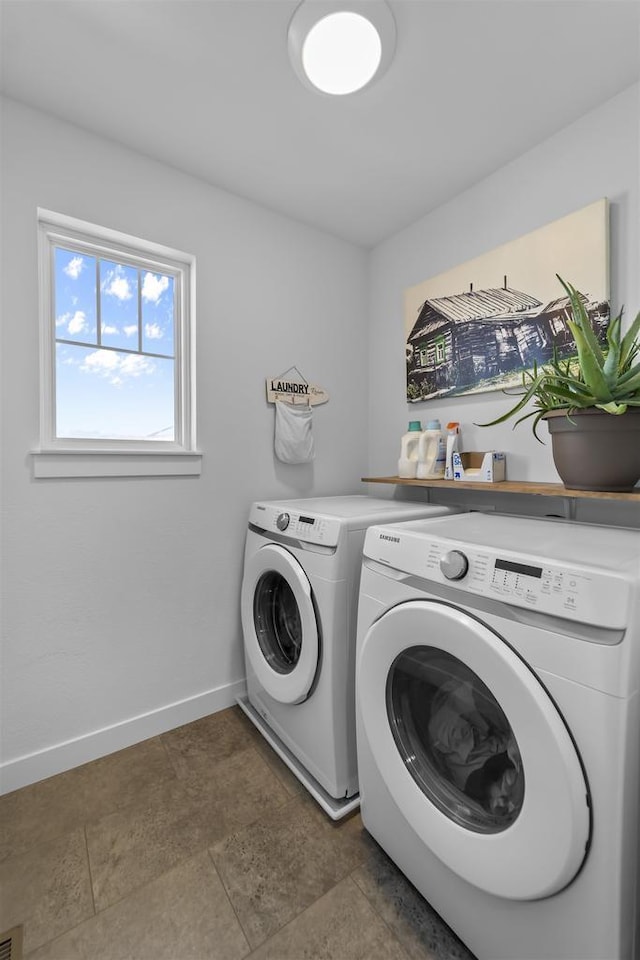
[(293, 437)]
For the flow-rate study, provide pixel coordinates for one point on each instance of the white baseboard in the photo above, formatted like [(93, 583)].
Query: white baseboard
[(64, 756)]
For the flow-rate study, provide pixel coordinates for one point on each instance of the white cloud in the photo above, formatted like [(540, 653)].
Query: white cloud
[(101, 360), (134, 364), (153, 286), (74, 268), (108, 329), (62, 319), (116, 367), (130, 330), (153, 331), (117, 284), (78, 322)]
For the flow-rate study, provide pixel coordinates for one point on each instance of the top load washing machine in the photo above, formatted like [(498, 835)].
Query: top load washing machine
[(299, 603), (498, 727)]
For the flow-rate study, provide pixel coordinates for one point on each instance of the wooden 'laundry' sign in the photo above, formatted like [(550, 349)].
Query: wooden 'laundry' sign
[(293, 391)]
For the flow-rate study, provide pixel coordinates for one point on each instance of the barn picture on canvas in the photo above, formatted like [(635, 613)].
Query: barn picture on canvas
[(478, 326)]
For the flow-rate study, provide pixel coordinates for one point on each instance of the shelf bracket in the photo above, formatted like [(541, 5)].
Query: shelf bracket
[(570, 506)]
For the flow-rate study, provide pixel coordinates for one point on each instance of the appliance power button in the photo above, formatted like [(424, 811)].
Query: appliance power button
[(282, 521), (454, 564)]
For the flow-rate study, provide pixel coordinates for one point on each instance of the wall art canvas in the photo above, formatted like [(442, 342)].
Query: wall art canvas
[(478, 326)]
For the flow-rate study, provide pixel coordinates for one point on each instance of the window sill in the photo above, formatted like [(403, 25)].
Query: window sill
[(52, 464)]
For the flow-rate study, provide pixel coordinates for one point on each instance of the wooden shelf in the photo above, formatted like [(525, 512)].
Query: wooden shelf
[(512, 486)]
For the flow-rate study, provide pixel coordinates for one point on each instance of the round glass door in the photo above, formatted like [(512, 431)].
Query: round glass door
[(277, 622), (472, 749), (455, 739), (281, 634)]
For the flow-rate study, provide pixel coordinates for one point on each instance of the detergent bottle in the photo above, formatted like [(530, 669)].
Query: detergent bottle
[(408, 462), (453, 446), (432, 453)]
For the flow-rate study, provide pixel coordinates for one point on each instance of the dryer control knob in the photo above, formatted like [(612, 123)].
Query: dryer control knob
[(282, 521), (454, 564)]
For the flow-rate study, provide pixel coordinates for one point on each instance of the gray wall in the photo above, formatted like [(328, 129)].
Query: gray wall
[(121, 596), (120, 613), (597, 156)]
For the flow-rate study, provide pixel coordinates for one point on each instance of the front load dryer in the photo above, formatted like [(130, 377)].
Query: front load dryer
[(498, 727), (298, 604)]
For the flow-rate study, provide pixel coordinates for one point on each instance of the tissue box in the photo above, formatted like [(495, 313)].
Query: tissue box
[(479, 466)]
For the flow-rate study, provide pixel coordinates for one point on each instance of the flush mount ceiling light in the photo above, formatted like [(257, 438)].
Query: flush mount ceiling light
[(337, 47)]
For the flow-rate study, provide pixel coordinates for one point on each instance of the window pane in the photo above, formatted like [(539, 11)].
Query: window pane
[(75, 296), (119, 305), (157, 313), (103, 394)]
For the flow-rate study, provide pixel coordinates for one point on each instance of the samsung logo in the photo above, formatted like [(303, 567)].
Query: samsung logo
[(385, 536)]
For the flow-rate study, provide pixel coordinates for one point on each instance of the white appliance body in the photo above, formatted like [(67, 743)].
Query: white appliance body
[(498, 727), (299, 605)]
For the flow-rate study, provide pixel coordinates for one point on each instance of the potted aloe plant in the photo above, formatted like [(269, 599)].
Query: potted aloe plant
[(591, 403)]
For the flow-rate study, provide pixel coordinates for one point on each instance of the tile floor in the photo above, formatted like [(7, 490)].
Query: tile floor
[(200, 845)]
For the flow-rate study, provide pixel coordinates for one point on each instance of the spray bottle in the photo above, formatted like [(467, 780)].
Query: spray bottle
[(453, 446)]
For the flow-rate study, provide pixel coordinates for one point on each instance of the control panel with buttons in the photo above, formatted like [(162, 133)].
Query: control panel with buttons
[(578, 593), (297, 526)]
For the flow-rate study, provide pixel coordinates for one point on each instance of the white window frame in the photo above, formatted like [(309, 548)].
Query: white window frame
[(74, 457)]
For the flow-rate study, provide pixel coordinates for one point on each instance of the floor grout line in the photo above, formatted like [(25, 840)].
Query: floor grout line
[(348, 847), (231, 904), (86, 847)]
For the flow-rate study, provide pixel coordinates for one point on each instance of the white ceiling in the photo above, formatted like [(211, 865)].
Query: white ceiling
[(206, 86)]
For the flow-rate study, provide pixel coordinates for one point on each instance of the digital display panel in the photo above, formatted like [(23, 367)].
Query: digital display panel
[(307, 520), (519, 568)]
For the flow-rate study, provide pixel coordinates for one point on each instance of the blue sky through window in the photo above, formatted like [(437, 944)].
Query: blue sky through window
[(115, 389), (119, 305), (75, 296)]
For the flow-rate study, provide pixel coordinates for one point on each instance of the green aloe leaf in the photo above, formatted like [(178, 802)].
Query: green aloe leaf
[(607, 379), (590, 365), (629, 384), (517, 407), (581, 318), (612, 362), (629, 347), (615, 408)]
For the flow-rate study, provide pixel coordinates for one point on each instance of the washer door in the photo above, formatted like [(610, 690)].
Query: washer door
[(281, 634), (473, 750)]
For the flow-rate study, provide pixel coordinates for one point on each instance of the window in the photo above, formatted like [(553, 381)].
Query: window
[(441, 352), (117, 342)]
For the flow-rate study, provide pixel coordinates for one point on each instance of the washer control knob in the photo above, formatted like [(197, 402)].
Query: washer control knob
[(454, 564), (282, 521)]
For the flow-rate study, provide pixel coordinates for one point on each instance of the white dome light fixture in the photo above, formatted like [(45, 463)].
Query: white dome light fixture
[(338, 47)]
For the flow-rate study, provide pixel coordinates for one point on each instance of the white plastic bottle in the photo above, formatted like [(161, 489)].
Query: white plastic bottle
[(453, 446), (408, 462), (432, 452)]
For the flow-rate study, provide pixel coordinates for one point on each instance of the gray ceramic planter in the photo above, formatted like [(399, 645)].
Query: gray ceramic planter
[(594, 450)]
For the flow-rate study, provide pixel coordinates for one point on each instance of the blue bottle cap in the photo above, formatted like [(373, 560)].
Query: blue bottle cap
[(434, 425)]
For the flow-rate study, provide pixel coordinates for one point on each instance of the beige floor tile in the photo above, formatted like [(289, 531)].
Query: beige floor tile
[(207, 741), (183, 915), (341, 925), (55, 806), (274, 869), (133, 846), (417, 926), (47, 889), (289, 781)]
